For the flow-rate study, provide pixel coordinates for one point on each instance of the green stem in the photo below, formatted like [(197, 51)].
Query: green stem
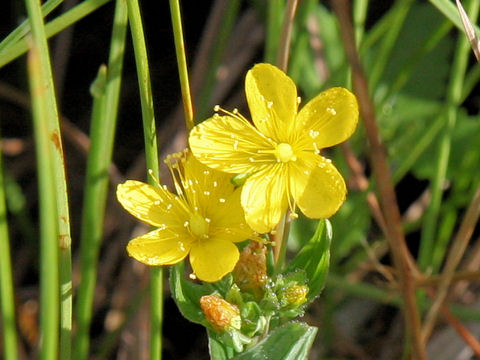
[(360, 8), (151, 153), (6, 281), (49, 106), (49, 277), (203, 103), (274, 26), (401, 10), (106, 92), (182, 62)]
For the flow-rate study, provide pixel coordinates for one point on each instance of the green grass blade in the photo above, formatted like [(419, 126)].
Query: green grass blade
[(102, 134), (9, 333), (400, 9), (450, 11), (182, 62), (275, 10), (21, 30), (49, 278), (151, 154), (52, 28), (203, 104), (58, 168), (454, 95)]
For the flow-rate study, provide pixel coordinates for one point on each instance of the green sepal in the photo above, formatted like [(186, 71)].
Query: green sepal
[(314, 259)]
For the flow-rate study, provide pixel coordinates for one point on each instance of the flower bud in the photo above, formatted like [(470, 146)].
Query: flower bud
[(250, 273), (295, 295), (222, 315)]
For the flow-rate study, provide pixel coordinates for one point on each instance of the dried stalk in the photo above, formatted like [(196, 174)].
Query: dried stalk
[(401, 255)]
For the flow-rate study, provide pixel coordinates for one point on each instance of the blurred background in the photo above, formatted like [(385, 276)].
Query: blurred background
[(408, 48)]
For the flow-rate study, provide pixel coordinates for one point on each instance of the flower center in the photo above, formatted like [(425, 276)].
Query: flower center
[(199, 226), (284, 153)]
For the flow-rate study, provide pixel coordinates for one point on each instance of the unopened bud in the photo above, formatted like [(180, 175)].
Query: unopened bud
[(250, 273), (222, 315), (295, 295)]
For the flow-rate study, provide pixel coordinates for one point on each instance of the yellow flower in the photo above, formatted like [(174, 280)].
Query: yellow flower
[(204, 220), (281, 153)]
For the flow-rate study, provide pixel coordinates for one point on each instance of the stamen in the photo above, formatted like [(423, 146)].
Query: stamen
[(234, 113), (150, 172)]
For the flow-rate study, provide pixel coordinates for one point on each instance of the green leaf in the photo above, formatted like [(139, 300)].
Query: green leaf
[(187, 295), (217, 349), (314, 258), (291, 341)]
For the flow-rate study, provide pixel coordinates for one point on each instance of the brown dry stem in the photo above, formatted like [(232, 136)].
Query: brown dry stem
[(401, 256)]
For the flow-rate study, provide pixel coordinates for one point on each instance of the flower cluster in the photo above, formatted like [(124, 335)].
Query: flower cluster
[(280, 157)]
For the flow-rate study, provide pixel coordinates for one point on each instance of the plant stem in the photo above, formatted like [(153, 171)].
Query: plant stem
[(49, 278), (401, 255), (151, 154), (182, 62), (286, 35), (102, 135), (7, 294)]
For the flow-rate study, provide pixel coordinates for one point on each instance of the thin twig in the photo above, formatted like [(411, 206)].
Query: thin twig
[(362, 183), (462, 331), (285, 37), (459, 246), (469, 30), (458, 276), (396, 238)]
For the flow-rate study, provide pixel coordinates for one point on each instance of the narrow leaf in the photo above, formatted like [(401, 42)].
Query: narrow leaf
[(314, 258)]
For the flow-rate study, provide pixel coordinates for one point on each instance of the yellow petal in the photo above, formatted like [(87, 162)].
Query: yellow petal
[(228, 219), (229, 144), (272, 99), (205, 187), (212, 259), (155, 206), (160, 247), (300, 170), (324, 192), (328, 119), (264, 198)]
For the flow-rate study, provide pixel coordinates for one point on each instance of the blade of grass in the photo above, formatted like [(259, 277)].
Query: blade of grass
[(360, 8), (401, 256), (450, 11), (22, 29), (102, 134), (182, 62), (454, 94), (58, 168), (151, 155), (52, 28), (7, 296), (49, 277), (400, 11), (203, 103), (275, 11)]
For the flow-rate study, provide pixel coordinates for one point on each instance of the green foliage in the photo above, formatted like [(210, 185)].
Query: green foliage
[(292, 341), (314, 259)]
